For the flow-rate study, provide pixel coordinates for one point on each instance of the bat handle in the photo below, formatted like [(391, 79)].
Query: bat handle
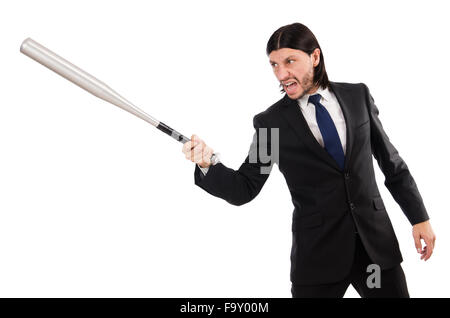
[(181, 138)]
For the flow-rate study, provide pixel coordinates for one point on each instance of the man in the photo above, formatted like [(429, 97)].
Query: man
[(328, 133)]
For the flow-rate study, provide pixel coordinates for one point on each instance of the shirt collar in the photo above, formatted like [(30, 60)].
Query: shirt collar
[(325, 93)]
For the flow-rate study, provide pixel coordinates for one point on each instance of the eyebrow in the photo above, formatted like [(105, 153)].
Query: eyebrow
[(289, 57)]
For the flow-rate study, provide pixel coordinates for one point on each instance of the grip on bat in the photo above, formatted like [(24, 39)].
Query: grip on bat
[(181, 138)]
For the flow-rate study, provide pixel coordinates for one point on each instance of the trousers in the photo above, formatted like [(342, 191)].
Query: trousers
[(392, 281)]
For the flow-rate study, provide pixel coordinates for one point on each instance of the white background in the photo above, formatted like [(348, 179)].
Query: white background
[(95, 202)]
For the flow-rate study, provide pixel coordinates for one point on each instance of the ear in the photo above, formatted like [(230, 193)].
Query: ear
[(315, 56)]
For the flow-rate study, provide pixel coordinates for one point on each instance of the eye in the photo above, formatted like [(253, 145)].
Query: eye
[(274, 64), (289, 61)]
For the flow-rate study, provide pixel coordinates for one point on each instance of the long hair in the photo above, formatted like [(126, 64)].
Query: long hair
[(297, 36)]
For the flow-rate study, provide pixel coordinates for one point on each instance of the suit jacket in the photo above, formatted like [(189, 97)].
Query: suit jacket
[(330, 204)]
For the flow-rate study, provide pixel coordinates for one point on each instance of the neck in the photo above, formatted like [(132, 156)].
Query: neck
[(313, 90)]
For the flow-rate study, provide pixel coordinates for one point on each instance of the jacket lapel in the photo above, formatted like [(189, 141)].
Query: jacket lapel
[(346, 100), (294, 116)]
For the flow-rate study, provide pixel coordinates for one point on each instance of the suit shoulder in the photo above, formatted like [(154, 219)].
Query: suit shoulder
[(349, 85), (354, 88)]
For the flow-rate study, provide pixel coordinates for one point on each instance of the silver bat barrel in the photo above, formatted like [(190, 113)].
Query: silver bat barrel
[(73, 73)]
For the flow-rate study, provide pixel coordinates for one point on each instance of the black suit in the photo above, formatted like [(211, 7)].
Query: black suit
[(330, 203)]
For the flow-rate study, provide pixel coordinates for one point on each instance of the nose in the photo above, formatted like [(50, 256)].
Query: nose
[(282, 74)]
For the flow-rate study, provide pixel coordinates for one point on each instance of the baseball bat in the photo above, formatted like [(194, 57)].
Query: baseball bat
[(86, 81)]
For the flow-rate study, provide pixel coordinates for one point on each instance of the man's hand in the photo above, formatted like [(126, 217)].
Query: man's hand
[(424, 231), (197, 151)]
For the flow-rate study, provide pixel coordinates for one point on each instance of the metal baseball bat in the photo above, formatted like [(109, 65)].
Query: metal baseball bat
[(76, 75)]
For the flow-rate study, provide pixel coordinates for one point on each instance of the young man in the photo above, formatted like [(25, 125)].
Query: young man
[(328, 133)]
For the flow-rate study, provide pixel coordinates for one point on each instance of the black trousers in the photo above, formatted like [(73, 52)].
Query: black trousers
[(393, 282)]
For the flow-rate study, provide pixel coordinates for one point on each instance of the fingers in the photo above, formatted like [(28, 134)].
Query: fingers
[(196, 155), (187, 146), (190, 144), (426, 254), (417, 242), (423, 231), (429, 240), (428, 249), (207, 153), (197, 151)]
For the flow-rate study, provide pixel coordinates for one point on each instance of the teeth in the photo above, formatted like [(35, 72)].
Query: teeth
[(289, 84)]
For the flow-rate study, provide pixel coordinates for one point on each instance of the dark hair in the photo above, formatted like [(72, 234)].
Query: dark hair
[(298, 36)]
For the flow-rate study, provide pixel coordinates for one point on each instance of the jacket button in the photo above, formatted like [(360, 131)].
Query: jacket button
[(347, 175), (352, 206)]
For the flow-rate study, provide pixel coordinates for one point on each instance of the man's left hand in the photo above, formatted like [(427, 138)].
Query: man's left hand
[(424, 231)]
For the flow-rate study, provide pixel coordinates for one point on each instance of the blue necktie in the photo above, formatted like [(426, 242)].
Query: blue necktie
[(328, 130)]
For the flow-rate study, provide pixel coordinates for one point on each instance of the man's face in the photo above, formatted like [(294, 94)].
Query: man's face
[(294, 70)]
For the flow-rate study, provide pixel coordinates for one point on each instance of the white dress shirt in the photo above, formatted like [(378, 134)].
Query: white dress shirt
[(331, 104), (205, 170)]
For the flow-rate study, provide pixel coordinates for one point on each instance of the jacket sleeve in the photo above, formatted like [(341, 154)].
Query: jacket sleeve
[(398, 179), (240, 186)]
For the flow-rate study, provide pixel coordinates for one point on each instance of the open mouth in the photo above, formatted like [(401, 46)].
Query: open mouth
[(290, 87)]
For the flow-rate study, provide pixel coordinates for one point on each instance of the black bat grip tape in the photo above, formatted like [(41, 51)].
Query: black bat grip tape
[(176, 135), (172, 132)]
